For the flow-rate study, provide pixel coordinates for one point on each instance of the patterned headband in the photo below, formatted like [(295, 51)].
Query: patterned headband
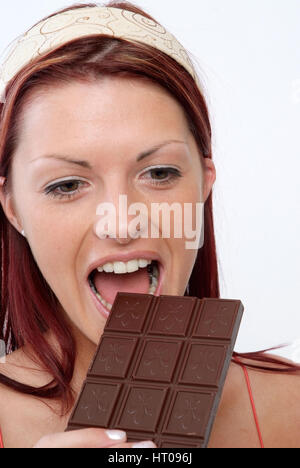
[(64, 27)]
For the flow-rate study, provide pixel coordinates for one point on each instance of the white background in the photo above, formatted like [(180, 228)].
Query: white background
[(248, 56)]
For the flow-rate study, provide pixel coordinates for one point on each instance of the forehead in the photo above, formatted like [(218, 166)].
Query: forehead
[(109, 112)]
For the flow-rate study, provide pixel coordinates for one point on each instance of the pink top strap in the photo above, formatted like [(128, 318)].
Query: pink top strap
[(252, 404)]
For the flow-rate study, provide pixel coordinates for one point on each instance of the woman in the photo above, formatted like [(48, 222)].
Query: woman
[(91, 118)]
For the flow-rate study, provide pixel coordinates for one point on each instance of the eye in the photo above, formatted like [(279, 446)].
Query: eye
[(67, 189), (162, 175)]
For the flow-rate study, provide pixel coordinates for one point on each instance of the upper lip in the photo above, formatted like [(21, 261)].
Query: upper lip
[(125, 257)]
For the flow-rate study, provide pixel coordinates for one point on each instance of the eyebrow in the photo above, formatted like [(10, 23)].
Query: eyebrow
[(87, 165)]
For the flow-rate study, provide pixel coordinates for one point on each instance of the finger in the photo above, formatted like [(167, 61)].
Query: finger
[(83, 438), (144, 444)]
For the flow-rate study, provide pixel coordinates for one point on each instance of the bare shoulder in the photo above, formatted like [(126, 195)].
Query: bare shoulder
[(273, 381), (22, 367), (9, 398), (24, 419), (277, 401), (15, 367), (276, 397), (10, 368)]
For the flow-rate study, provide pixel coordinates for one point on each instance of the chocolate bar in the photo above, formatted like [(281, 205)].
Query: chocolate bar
[(160, 367)]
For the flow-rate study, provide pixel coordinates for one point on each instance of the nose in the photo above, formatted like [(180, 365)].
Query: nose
[(121, 221)]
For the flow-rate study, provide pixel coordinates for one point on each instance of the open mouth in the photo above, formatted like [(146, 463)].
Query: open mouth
[(136, 276)]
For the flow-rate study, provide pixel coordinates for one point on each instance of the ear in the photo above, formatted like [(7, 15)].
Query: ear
[(209, 177), (6, 201)]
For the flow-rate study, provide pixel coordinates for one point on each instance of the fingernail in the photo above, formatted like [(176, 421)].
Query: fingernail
[(116, 435), (145, 444)]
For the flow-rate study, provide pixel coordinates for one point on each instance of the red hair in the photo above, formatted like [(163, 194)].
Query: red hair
[(28, 305)]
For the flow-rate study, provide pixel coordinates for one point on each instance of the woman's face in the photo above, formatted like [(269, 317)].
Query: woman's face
[(103, 128)]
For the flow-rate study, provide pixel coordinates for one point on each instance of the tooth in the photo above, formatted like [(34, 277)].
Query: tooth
[(155, 272), (120, 267), (132, 265), (152, 290), (154, 282), (103, 301), (124, 267), (108, 267), (143, 263)]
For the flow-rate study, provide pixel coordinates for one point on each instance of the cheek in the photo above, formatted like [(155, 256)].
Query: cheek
[(191, 225), (53, 237), (185, 265), (182, 264), (193, 189), (187, 219)]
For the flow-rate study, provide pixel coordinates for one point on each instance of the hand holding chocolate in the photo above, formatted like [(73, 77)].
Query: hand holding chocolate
[(160, 367)]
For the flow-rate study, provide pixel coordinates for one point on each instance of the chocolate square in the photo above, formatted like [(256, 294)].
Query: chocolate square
[(113, 357), (158, 360), (141, 409), (129, 312), (217, 319), (96, 404), (204, 364), (190, 413)]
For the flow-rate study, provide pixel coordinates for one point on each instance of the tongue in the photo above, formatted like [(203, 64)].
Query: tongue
[(109, 284)]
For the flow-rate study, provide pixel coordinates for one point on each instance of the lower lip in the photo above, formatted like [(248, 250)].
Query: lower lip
[(105, 312)]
